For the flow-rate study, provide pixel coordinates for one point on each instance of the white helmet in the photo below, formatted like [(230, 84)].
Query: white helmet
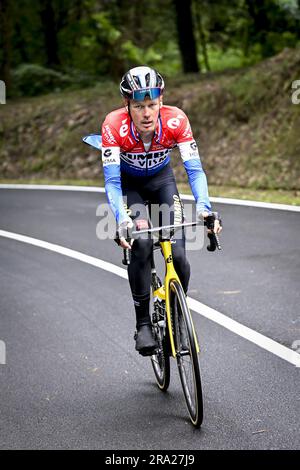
[(141, 82)]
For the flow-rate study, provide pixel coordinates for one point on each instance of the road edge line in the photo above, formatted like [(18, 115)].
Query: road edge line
[(184, 197)]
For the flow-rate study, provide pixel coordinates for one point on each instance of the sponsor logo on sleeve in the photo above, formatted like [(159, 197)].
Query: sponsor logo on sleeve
[(111, 156), (108, 135), (187, 132), (188, 150), (194, 150)]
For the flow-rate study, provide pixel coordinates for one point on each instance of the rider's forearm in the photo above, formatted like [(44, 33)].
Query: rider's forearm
[(112, 177), (198, 183), (113, 191)]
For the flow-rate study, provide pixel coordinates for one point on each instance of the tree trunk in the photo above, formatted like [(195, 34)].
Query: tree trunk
[(202, 37), (50, 33), (186, 38), (298, 20), (258, 11), (246, 40), (5, 28)]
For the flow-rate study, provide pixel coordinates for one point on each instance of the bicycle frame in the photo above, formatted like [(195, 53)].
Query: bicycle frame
[(164, 291), (187, 347)]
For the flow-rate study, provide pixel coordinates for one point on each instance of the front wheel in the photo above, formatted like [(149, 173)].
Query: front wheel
[(186, 353)]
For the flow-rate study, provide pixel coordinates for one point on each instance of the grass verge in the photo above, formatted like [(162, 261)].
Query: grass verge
[(276, 196)]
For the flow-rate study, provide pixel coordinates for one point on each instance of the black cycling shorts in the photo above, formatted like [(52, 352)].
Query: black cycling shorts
[(161, 194)]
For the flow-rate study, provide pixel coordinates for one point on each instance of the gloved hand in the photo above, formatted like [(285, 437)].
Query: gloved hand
[(124, 234), (202, 214)]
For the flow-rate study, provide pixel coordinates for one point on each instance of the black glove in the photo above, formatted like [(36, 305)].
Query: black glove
[(210, 220)]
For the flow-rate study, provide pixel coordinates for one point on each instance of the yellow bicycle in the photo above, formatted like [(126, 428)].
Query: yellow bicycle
[(173, 325)]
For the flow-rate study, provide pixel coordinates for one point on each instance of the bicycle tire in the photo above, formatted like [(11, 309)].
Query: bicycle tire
[(161, 360), (186, 358)]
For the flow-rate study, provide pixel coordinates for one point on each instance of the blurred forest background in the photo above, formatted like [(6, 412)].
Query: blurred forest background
[(229, 65)]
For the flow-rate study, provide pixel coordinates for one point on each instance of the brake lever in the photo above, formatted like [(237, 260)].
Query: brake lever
[(213, 237)]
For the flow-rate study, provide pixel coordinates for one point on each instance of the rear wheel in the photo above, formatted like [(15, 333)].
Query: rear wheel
[(186, 353)]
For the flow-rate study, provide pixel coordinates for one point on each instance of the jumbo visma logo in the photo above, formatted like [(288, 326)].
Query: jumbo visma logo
[(145, 160)]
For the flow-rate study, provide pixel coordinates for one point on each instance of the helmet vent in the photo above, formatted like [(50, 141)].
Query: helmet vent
[(147, 79)]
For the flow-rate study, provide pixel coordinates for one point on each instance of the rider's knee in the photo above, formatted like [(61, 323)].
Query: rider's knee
[(142, 248), (179, 256)]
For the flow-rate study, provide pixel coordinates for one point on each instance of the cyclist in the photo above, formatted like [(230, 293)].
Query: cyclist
[(136, 141)]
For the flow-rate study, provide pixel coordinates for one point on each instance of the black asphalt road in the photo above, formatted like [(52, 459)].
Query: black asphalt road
[(73, 379)]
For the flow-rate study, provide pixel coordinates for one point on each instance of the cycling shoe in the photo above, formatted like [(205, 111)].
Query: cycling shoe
[(145, 343)]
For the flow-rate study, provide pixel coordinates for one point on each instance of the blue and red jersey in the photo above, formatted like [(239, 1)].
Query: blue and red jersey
[(123, 151)]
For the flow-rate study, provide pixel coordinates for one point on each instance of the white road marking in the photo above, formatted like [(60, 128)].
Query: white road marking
[(98, 263), (244, 202), (251, 335), (257, 338), (54, 187), (184, 197)]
